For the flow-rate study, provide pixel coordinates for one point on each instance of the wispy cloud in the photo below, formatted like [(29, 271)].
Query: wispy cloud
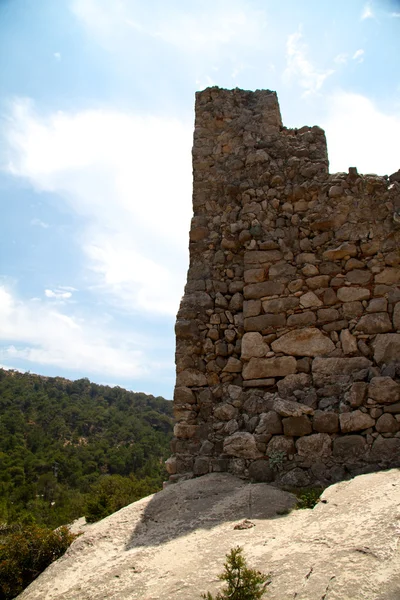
[(206, 27), (300, 69), (358, 55), (39, 223), (58, 294), (130, 175), (341, 59), (44, 335), (367, 12)]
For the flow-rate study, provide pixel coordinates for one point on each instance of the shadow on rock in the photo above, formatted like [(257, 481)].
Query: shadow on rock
[(205, 502)]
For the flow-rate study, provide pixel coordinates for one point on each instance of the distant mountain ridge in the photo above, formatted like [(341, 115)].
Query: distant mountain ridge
[(59, 439)]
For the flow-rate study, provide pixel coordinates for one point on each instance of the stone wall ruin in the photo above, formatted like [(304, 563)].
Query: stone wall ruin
[(288, 335)]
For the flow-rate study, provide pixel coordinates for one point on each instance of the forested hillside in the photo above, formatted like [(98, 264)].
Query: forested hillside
[(69, 448)]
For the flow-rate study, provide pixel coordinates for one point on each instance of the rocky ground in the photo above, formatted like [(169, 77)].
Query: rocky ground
[(172, 545)]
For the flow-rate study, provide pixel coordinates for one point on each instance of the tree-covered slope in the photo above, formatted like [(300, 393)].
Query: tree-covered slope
[(65, 445)]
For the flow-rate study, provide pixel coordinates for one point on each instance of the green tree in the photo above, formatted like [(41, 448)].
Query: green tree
[(242, 583)]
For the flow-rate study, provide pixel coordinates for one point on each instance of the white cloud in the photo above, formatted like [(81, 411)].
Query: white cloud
[(299, 67), (341, 59), (130, 177), (214, 25), (361, 135), (57, 55), (39, 223), (42, 335), (358, 55), (367, 12), (57, 294), (220, 25)]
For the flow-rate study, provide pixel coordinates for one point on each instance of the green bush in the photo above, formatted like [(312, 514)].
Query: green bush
[(242, 583), (25, 551), (113, 492), (309, 497)]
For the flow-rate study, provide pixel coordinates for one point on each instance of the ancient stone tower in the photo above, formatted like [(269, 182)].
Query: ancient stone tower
[(288, 335)]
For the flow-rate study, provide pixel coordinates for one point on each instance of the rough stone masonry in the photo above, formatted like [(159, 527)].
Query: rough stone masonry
[(288, 335)]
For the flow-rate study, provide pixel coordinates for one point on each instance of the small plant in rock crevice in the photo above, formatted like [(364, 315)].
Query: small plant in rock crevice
[(308, 497), (242, 583), (276, 459)]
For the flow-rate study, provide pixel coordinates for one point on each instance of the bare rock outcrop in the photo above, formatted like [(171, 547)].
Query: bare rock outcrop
[(172, 545)]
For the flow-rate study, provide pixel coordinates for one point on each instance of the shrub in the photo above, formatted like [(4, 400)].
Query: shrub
[(25, 551), (113, 492), (242, 583), (308, 498)]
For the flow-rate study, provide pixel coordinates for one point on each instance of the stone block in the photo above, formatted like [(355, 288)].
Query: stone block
[(388, 276), (384, 390), (292, 383), (225, 412), (320, 281), (392, 408), (255, 275), (280, 443), (254, 291), (349, 342), (396, 316), (345, 249), (251, 308), (260, 368), (253, 346), (387, 424), (352, 294), (242, 445), (264, 383), (304, 342), (349, 448), (264, 322), (314, 446), (357, 394), (201, 466), (280, 305), (339, 366), (352, 309), (270, 422), (233, 365), (261, 472), (377, 305), (327, 314), (190, 378), (297, 426), (296, 478), (184, 395), (185, 431), (287, 408), (310, 300), (260, 257), (358, 276), (387, 348), (302, 319), (374, 323), (386, 450), (325, 422), (355, 421)]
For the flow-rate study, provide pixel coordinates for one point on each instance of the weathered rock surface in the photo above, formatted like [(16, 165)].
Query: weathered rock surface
[(172, 545)]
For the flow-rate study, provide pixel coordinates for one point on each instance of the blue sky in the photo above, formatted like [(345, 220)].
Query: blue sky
[(96, 124)]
